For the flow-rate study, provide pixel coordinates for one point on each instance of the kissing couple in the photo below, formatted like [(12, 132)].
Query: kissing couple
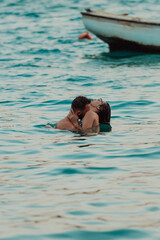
[(85, 115)]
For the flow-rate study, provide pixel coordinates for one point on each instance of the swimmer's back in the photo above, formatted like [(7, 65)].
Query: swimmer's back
[(65, 124)]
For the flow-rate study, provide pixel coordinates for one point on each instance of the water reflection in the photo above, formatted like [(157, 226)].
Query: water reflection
[(130, 58)]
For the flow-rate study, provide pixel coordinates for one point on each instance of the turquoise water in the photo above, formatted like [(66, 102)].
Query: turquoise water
[(61, 185)]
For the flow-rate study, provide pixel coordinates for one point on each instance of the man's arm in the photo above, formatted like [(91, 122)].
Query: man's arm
[(89, 120), (74, 119)]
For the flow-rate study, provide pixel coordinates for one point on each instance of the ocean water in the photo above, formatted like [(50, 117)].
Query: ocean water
[(61, 185)]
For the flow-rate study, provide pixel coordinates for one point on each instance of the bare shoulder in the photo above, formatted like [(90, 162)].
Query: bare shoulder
[(64, 124), (92, 114), (59, 124)]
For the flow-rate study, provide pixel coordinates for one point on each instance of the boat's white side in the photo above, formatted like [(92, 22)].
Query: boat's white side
[(109, 27)]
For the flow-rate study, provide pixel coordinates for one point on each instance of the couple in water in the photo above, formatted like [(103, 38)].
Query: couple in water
[(86, 115)]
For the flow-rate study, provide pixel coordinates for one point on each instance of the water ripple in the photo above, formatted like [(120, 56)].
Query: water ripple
[(63, 185)]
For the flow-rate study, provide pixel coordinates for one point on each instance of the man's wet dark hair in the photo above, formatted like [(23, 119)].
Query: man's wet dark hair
[(104, 113), (79, 103)]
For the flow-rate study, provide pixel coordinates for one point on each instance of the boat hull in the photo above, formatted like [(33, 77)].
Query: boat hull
[(122, 32)]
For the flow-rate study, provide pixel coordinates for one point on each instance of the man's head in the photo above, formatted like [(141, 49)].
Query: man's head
[(80, 106)]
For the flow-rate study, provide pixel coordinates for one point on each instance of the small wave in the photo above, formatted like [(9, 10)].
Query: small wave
[(94, 235), (24, 65), (42, 51), (32, 14), (129, 104)]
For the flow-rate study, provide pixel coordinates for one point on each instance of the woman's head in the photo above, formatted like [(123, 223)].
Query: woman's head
[(102, 109), (104, 113)]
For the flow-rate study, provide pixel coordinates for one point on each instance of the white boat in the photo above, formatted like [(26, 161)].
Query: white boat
[(124, 32)]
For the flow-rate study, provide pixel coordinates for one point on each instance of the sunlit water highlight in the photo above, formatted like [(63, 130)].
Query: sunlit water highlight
[(57, 184)]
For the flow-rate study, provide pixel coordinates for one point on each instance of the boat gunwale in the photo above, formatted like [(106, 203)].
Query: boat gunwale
[(119, 18)]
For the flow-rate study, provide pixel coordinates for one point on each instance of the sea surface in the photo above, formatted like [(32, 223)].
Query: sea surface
[(62, 185)]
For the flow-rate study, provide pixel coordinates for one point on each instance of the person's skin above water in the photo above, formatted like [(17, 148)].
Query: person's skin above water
[(80, 109), (86, 111), (70, 122), (90, 119)]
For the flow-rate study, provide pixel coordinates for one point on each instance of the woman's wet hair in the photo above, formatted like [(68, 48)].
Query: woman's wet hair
[(104, 113), (79, 103)]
